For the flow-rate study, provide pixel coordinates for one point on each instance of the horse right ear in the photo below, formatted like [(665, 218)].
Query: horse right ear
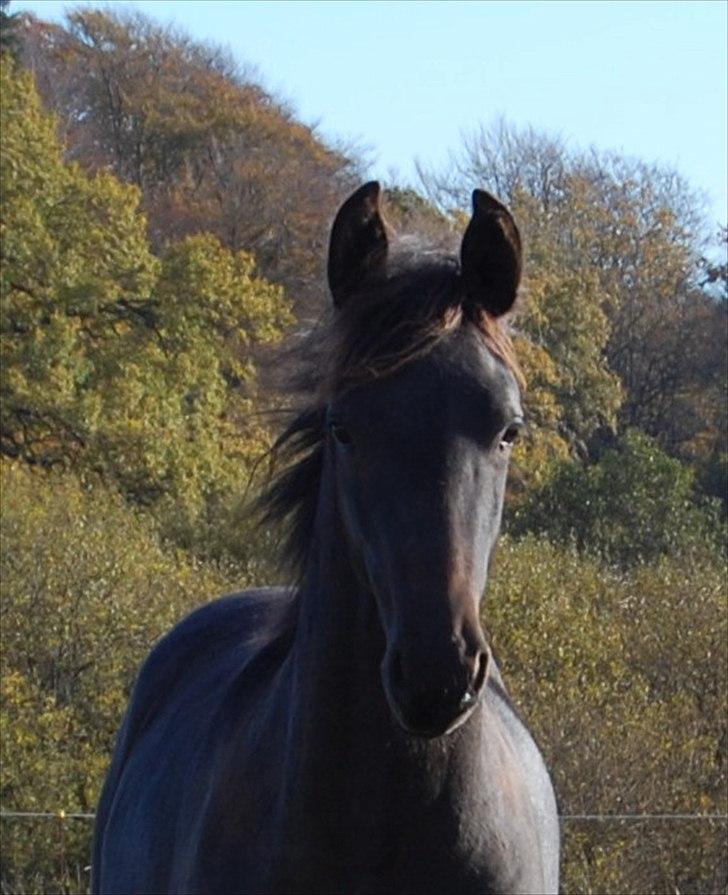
[(358, 245)]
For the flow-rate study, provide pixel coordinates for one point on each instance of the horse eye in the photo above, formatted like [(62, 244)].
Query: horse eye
[(340, 433), (510, 436)]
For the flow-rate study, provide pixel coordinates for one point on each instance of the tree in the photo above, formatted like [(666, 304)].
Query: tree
[(208, 147), (115, 361), (634, 505), (616, 267), (8, 22), (411, 216)]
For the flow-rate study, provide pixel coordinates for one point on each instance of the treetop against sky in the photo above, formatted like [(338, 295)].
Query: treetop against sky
[(406, 79)]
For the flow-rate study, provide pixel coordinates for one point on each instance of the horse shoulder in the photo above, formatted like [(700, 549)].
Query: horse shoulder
[(244, 622), (247, 620), (539, 785)]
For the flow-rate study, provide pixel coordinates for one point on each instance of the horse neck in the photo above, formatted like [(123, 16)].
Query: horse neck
[(341, 728), (339, 640)]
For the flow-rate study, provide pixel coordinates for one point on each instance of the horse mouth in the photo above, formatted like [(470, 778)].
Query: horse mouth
[(433, 731)]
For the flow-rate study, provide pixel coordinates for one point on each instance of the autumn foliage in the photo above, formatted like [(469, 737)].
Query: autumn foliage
[(164, 221)]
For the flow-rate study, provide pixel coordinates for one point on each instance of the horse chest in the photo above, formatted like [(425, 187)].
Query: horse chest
[(406, 825)]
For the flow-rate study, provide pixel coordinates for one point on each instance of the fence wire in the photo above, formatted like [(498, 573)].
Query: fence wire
[(79, 815)]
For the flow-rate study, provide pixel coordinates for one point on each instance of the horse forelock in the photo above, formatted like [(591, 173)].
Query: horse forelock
[(383, 327)]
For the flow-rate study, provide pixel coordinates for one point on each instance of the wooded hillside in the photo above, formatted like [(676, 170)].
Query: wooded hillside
[(164, 228)]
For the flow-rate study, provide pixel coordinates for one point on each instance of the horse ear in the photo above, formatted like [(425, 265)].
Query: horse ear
[(358, 245), (490, 255)]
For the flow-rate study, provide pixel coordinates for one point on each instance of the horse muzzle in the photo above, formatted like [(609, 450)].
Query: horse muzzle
[(433, 699)]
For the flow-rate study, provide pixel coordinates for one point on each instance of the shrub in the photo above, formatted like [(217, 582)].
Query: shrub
[(86, 589), (635, 504), (622, 677)]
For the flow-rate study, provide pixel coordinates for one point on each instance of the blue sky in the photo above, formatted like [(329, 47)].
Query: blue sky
[(407, 78)]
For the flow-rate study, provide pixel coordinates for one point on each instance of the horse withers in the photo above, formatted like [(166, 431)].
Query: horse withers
[(352, 734)]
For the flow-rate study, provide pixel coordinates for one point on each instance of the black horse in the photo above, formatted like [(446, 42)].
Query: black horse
[(353, 734)]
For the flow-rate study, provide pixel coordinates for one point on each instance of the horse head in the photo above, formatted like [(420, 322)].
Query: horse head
[(424, 405)]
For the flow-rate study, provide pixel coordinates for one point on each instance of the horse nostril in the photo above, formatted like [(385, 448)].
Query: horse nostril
[(477, 682), (480, 673)]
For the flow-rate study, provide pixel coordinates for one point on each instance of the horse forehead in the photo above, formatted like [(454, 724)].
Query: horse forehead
[(459, 374), (461, 368), (465, 354)]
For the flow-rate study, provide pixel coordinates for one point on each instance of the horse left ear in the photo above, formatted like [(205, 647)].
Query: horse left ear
[(358, 246), (490, 256)]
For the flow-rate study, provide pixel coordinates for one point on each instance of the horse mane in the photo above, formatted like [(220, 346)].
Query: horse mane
[(379, 329)]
